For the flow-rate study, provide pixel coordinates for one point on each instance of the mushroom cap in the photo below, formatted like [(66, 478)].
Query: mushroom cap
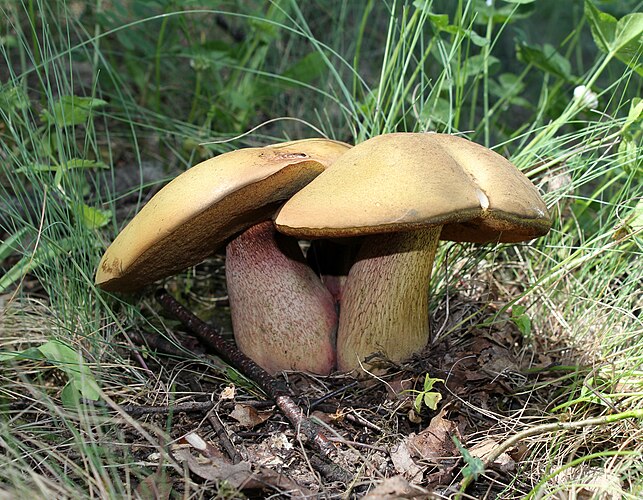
[(403, 181), (189, 218)]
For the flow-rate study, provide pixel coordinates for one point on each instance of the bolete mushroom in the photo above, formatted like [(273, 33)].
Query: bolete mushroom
[(210, 204), (401, 193)]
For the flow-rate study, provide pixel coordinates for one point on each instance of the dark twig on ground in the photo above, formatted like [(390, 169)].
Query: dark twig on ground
[(189, 407), (211, 338), (222, 434)]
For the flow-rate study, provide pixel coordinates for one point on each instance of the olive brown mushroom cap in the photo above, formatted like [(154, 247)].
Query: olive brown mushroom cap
[(403, 181), (202, 208)]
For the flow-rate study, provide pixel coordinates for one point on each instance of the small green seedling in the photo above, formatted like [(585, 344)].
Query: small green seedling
[(427, 396), (521, 320), (474, 467)]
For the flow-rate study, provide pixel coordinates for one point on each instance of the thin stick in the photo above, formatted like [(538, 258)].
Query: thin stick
[(547, 428), (222, 433), (268, 384)]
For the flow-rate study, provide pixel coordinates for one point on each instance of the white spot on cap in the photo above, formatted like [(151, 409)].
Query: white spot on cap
[(482, 198)]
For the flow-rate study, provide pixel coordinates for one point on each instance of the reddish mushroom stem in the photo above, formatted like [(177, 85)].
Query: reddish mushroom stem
[(282, 315), (385, 304)]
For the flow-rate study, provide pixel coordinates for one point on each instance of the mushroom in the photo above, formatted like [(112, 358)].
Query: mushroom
[(283, 317), (210, 204), (402, 193)]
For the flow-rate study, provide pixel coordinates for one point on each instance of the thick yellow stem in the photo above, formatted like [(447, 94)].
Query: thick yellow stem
[(385, 305)]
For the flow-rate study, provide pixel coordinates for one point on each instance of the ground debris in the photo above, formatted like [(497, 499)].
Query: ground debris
[(205, 461), (249, 417), (396, 487)]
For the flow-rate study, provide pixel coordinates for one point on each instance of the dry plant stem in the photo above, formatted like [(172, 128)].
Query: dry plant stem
[(385, 304), (547, 428), (276, 391)]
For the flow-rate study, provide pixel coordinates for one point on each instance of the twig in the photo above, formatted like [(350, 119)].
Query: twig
[(332, 394), (269, 385), (193, 406), (544, 429), (222, 433)]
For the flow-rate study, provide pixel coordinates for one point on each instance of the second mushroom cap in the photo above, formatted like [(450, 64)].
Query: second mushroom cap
[(402, 181)]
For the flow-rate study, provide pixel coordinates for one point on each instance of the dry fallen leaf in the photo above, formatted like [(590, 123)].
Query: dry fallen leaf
[(157, 486), (248, 416), (483, 449), (435, 443), (242, 476), (403, 463), (396, 487)]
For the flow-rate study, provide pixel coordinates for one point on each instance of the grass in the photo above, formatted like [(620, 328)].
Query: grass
[(87, 94)]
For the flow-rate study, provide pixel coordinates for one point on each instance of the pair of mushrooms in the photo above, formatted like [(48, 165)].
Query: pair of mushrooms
[(392, 198)]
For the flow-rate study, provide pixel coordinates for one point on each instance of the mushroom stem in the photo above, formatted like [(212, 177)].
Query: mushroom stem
[(282, 315), (385, 304)]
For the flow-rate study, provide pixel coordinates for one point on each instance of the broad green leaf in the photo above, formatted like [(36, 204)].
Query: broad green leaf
[(474, 65), (92, 218), (431, 400), (70, 395), (628, 149), (28, 354), (622, 38), (509, 86), (438, 111), (307, 69), (440, 21), (502, 12), (521, 320), (71, 110), (545, 58), (417, 404), (636, 216), (635, 114), (69, 361)]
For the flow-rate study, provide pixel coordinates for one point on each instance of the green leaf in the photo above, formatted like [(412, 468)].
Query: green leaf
[(70, 395), (502, 12), (431, 400), (438, 111), (546, 58), (474, 467), (417, 405), (72, 364), (12, 98), (71, 110), (307, 69), (28, 354), (439, 21), (635, 114), (475, 65), (521, 320), (92, 218), (622, 38), (429, 382)]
